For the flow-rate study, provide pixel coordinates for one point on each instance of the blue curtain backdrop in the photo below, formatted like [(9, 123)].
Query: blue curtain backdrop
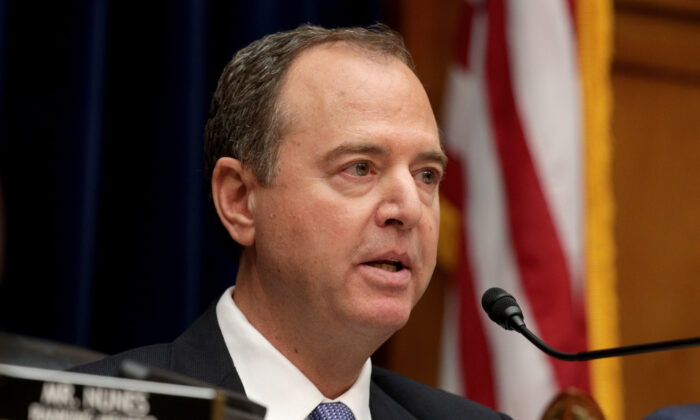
[(110, 239)]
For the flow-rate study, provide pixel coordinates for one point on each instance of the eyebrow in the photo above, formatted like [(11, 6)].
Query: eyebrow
[(436, 156), (354, 148)]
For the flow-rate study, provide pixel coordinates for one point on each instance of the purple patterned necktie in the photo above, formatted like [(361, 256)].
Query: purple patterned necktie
[(331, 411)]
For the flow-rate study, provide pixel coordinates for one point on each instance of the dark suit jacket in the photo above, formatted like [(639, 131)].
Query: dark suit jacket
[(200, 352)]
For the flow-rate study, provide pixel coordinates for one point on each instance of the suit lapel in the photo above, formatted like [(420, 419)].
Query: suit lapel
[(201, 352), (383, 407)]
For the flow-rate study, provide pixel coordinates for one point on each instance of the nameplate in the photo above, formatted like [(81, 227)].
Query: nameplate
[(40, 394)]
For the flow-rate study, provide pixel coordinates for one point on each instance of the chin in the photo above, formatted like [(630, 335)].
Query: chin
[(385, 319)]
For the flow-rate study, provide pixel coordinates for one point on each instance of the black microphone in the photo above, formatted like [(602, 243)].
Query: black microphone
[(502, 308)]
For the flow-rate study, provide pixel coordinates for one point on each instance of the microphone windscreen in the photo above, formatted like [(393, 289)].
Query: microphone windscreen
[(500, 306), (491, 296)]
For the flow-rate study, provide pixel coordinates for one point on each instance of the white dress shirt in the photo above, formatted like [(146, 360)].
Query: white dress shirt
[(271, 379)]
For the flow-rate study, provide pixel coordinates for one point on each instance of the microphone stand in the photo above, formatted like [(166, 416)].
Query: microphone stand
[(611, 352)]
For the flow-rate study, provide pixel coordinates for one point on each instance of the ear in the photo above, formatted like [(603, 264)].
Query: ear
[(232, 188)]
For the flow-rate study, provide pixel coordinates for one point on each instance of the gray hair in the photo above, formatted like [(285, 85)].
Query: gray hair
[(246, 120)]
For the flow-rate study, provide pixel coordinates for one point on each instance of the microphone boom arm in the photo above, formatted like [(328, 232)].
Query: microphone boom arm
[(612, 352), (502, 308)]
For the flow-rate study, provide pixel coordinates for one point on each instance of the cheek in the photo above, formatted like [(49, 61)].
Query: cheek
[(431, 230), (332, 213), (278, 223), (308, 220)]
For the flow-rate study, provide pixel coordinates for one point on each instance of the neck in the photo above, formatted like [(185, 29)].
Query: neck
[(302, 338)]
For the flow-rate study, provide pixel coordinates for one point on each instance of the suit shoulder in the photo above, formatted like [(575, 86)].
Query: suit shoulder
[(157, 355), (426, 402)]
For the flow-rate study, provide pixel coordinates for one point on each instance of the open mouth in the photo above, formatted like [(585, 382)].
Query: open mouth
[(391, 266)]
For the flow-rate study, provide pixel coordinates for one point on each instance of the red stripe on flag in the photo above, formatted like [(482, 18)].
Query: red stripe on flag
[(464, 32), (475, 355), (571, 6), (540, 258)]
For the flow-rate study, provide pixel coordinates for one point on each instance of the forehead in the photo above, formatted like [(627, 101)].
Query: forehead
[(340, 86)]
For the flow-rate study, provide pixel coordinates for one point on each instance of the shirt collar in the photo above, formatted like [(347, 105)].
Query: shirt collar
[(271, 379)]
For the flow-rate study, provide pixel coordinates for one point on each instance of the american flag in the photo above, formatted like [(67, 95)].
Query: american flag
[(512, 202)]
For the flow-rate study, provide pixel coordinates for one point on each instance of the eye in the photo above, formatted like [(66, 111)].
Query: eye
[(429, 176), (359, 169)]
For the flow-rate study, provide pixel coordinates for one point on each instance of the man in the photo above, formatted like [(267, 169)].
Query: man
[(325, 162)]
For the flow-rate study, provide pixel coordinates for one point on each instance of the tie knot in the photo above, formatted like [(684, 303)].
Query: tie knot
[(332, 411)]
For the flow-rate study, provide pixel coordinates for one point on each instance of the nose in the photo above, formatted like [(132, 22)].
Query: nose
[(400, 204)]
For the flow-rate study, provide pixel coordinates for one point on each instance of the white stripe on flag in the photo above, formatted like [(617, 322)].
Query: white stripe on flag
[(546, 86)]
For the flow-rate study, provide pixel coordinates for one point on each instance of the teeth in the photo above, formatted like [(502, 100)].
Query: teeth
[(392, 267)]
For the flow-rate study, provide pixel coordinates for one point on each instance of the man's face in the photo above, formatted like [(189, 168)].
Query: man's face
[(346, 234)]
